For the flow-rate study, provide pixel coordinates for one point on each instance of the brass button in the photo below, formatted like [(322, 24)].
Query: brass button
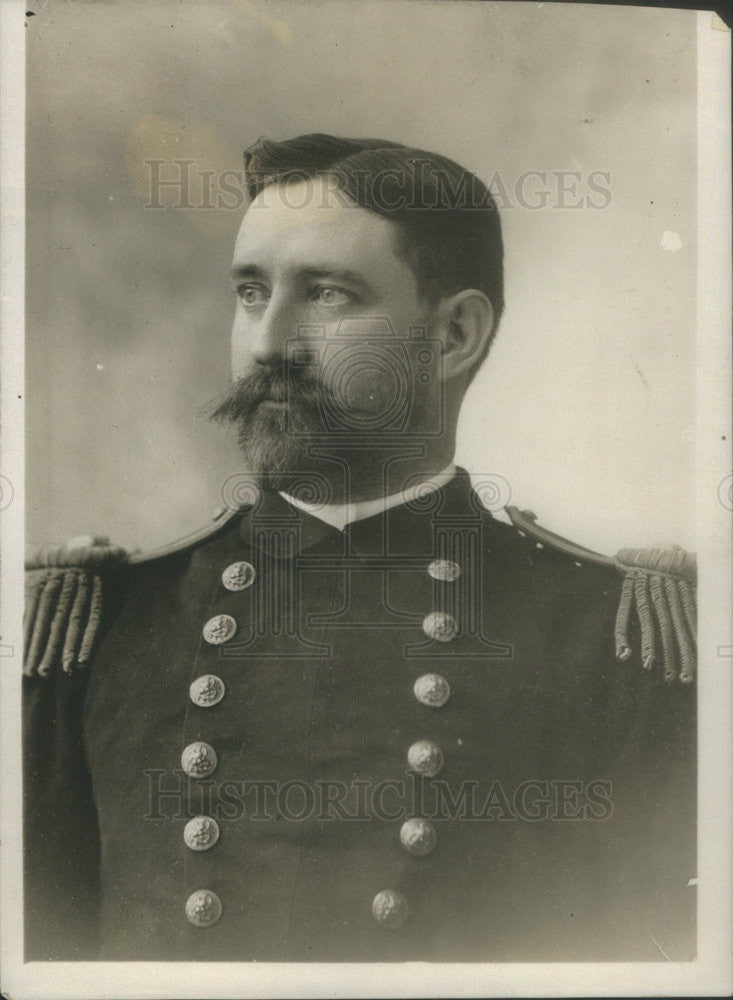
[(201, 833), (432, 690), (426, 758), (418, 837), (439, 625), (219, 629), (444, 569), (238, 576), (207, 690), (389, 908), (198, 760), (203, 908)]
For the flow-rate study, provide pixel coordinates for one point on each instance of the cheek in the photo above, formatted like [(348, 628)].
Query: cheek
[(369, 378), (368, 385), (238, 360), (240, 352)]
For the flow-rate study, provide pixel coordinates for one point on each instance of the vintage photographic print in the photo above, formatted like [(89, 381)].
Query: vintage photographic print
[(376, 421)]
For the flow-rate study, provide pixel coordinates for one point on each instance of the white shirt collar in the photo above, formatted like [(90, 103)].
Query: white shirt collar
[(338, 515)]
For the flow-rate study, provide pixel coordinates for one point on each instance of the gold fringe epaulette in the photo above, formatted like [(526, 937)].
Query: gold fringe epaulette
[(64, 594), (659, 585), (63, 603)]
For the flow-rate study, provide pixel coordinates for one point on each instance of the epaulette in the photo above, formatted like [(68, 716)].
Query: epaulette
[(659, 584), (64, 594)]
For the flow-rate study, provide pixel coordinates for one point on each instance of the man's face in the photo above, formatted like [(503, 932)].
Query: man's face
[(321, 341)]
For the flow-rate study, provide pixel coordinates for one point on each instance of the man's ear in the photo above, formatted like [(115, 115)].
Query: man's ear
[(466, 322)]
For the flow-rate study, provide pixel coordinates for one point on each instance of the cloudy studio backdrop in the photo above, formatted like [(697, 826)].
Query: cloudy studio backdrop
[(583, 121)]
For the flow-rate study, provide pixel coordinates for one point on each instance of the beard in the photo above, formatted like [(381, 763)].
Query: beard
[(327, 439), (276, 441)]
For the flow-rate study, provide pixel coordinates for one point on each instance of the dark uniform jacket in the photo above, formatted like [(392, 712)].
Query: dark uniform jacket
[(409, 740)]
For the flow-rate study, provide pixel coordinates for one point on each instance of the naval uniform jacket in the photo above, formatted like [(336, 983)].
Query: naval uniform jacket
[(236, 788)]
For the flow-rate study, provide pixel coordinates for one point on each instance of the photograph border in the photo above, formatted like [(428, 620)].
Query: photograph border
[(710, 973)]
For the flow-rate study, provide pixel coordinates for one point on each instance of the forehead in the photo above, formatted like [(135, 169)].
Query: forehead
[(293, 224)]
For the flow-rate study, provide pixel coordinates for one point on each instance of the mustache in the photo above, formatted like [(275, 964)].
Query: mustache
[(298, 386)]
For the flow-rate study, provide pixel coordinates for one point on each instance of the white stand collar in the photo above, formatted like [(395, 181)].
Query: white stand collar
[(339, 515)]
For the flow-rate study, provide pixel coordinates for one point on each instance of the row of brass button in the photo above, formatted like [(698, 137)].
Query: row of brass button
[(437, 625), (241, 575), (418, 836), (432, 690), (389, 907), (199, 759)]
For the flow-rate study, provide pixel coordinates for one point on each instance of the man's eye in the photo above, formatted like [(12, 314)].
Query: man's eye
[(327, 295), (252, 295)]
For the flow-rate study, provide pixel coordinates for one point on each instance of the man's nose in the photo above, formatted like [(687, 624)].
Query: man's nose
[(269, 335)]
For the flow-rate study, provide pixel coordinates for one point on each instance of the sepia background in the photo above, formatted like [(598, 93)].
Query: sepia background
[(586, 405)]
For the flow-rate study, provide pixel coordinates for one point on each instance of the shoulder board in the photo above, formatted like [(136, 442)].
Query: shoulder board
[(659, 585), (64, 594), (221, 518)]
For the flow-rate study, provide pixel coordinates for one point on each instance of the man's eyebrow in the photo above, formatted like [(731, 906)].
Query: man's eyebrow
[(337, 273), (246, 271), (329, 273)]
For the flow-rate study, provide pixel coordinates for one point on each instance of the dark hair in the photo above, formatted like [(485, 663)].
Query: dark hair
[(447, 222)]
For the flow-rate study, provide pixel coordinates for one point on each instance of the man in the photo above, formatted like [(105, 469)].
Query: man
[(359, 718)]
